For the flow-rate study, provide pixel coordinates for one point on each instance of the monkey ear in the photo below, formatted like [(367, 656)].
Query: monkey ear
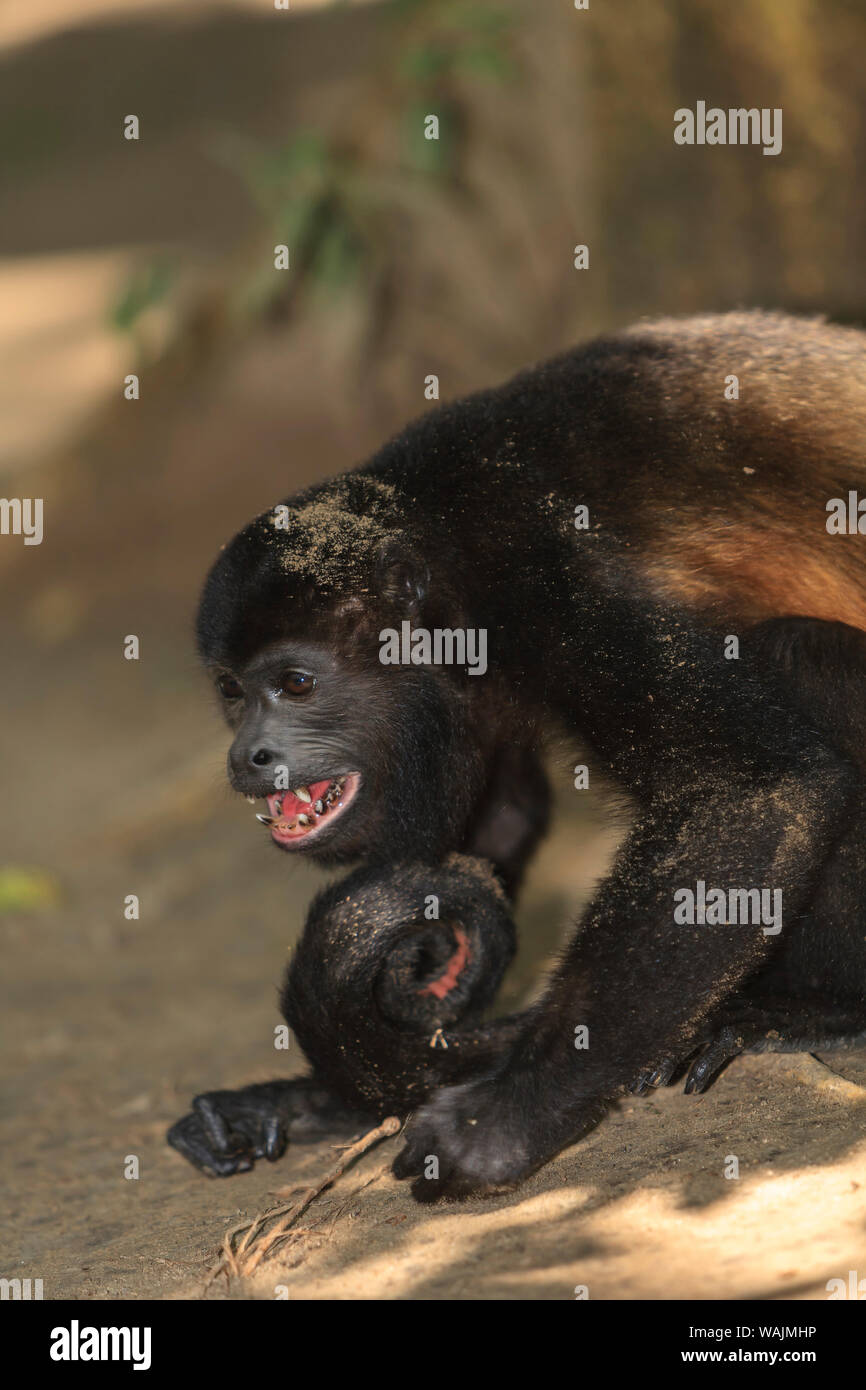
[(403, 578)]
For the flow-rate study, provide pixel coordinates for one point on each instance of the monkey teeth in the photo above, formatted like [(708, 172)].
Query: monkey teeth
[(288, 822)]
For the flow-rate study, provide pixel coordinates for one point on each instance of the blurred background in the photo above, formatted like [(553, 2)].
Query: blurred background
[(408, 257)]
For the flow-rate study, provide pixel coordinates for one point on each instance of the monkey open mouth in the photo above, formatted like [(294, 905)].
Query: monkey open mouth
[(303, 812)]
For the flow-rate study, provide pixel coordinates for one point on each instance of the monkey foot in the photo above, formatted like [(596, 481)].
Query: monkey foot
[(228, 1130), (777, 1028), (716, 1050)]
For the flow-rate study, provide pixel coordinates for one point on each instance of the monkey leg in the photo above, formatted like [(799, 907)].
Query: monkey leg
[(742, 782), (806, 1000), (639, 994)]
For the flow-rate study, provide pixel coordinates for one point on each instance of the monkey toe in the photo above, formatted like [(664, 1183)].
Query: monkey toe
[(654, 1077), (714, 1057)]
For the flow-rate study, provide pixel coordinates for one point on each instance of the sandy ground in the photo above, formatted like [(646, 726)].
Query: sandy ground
[(111, 1025), (115, 785), (114, 774), (114, 782)]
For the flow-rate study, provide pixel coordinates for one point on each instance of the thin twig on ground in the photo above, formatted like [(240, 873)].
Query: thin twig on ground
[(242, 1258)]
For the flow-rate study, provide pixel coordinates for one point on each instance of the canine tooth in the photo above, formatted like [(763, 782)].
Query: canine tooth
[(251, 800), (303, 793), (303, 820), (266, 820), (319, 807)]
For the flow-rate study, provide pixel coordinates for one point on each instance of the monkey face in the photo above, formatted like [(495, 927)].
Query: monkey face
[(356, 759), (353, 761), (296, 747)]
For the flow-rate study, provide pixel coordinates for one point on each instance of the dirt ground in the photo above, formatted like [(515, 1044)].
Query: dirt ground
[(113, 773), (111, 1025)]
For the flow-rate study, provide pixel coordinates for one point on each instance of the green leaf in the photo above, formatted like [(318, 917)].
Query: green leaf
[(27, 890)]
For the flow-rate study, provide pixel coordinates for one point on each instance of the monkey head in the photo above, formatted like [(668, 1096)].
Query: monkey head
[(355, 759)]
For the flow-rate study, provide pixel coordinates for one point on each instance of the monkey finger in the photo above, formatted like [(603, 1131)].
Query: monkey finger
[(188, 1138), (213, 1124), (409, 1162), (716, 1055), (654, 1077), (663, 1073), (405, 1165), (274, 1139)]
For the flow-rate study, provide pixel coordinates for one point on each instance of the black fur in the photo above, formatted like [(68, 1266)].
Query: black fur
[(706, 515)]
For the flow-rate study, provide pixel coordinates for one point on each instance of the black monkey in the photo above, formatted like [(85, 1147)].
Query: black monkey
[(608, 520)]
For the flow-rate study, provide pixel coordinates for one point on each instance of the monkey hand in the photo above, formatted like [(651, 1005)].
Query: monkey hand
[(228, 1130), (485, 1136)]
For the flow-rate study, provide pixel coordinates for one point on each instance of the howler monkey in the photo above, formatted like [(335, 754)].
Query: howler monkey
[(658, 537)]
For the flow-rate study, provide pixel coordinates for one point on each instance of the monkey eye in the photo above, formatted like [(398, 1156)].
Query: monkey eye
[(229, 687), (297, 683)]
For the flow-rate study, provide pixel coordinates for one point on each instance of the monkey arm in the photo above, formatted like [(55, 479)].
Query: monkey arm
[(635, 979), (513, 814), (226, 1131)]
